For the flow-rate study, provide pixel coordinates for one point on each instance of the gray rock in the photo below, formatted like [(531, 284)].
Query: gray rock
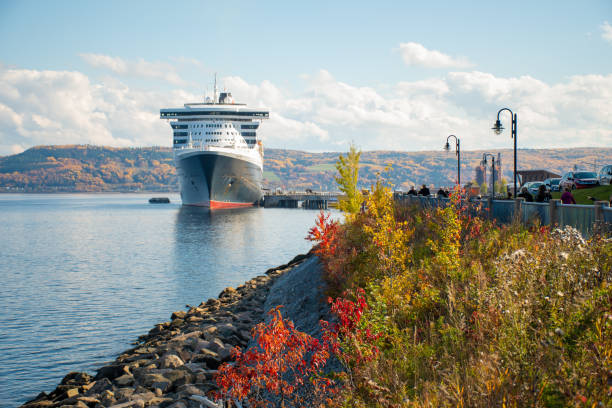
[(107, 397), (130, 404), (178, 377), (184, 391), (111, 371), (178, 404), (124, 393), (161, 385), (124, 380), (209, 357), (170, 361), (180, 314), (216, 344), (99, 386), (150, 378)]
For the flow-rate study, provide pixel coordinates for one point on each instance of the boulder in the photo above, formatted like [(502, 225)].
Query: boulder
[(209, 357), (227, 292), (124, 380), (110, 371), (177, 322), (213, 302), (89, 401), (151, 378), (180, 314), (124, 393), (130, 404), (170, 361), (227, 329), (76, 378), (107, 398), (99, 386), (179, 377)]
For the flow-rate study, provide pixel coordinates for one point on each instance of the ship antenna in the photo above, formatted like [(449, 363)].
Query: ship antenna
[(215, 92)]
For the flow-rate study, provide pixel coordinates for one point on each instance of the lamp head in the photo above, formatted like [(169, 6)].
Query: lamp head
[(447, 146), (497, 128)]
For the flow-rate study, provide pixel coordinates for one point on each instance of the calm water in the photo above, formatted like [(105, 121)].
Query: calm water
[(82, 276)]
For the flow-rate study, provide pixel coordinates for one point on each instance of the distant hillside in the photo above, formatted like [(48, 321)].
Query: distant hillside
[(95, 168)]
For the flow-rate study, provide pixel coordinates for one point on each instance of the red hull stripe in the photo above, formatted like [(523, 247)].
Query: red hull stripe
[(222, 204)]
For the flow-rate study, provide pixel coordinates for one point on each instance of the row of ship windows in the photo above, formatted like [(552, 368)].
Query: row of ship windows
[(213, 125), (183, 141), (215, 113), (214, 133)]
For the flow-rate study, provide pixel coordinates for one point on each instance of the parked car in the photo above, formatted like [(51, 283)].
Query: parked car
[(579, 179), (552, 184), (605, 174), (533, 186)]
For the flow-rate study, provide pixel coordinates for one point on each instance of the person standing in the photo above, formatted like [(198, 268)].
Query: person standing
[(543, 195), (567, 197), (424, 191), (525, 194)]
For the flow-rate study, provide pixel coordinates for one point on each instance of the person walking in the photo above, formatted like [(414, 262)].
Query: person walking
[(543, 195), (567, 197), (525, 194)]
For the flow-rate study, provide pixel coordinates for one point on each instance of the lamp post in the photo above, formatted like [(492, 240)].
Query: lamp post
[(484, 160), (458, 152), (498, 128)]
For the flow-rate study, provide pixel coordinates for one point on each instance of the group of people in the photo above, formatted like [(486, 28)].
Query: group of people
[(543, 195), (424, 191)]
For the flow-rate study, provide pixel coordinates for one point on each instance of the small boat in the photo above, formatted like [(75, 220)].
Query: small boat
[(159, 200)]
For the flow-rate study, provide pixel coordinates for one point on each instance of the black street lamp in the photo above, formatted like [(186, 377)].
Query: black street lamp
[(484, 161), (458, 152), (498, 128)]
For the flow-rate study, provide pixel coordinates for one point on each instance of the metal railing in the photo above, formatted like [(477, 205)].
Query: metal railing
[(585, 218)]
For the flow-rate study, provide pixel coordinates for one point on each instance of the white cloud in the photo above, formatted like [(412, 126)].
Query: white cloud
[(415, 54), (606, 29), (61, 107), (138, 68)]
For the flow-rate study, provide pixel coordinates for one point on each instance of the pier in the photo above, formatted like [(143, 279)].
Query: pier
[(307, 200)]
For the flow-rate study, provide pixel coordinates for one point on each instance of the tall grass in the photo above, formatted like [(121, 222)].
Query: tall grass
[(468, 313)]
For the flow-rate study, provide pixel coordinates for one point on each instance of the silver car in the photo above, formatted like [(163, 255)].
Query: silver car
[(605, 175)]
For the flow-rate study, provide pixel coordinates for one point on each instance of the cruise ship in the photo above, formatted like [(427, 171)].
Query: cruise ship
[(217, 152)]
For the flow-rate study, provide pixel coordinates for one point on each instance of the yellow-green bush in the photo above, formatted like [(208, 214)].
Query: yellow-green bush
[(474, 314)]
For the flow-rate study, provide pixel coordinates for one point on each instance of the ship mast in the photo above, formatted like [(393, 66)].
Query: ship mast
[(215, 91)]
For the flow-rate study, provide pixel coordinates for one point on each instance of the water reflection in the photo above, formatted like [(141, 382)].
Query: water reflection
[(213, 249)]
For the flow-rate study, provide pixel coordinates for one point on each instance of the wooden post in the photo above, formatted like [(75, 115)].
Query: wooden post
[(553, 212)]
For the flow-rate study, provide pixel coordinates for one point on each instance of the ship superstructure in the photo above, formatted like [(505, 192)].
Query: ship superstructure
[(217, 151)]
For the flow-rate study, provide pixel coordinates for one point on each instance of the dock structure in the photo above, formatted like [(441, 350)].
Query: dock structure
[(307, 200)]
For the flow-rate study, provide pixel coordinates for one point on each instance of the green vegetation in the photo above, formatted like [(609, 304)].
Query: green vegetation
[(88, 168), (270, 176), (601, 193), (464, 313), (322, 167), (348, 169), (96, 168)]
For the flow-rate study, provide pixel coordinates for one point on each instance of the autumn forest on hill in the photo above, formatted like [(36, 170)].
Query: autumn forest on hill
[(86, 168)]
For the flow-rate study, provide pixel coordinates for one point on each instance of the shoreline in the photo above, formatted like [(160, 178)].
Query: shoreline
[(177, 360)]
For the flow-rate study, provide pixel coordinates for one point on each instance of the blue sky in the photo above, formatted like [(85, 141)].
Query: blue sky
[(386, 75)]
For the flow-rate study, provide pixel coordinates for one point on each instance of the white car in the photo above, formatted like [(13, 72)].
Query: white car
[(605, 175)]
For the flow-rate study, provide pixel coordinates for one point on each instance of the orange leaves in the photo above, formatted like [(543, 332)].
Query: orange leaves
[(283, 358), (325, 233)]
